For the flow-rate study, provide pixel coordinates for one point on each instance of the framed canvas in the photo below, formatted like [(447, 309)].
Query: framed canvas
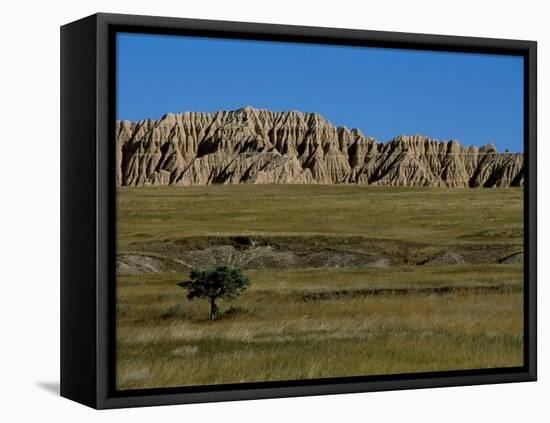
[(256, 211)]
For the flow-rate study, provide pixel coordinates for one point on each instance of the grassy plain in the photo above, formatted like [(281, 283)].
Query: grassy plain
[(431, 215), (296, 322)]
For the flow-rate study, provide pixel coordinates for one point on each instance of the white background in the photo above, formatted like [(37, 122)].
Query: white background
[(29, 240)]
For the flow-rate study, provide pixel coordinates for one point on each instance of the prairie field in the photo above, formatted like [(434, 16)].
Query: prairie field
[(345, 281)]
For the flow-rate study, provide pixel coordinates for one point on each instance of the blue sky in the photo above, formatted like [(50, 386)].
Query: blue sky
[(474, 98)]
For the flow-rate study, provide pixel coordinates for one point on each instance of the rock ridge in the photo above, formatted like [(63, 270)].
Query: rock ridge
[(260, 146)]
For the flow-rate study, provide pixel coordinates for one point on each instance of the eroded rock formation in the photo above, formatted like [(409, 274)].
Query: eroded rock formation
[(260, 146)]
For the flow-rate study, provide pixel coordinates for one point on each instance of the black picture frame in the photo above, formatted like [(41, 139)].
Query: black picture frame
[(88, 195)]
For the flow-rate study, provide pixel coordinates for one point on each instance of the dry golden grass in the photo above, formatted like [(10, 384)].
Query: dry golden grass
[(284, 328), (432, 215), (165, 340)]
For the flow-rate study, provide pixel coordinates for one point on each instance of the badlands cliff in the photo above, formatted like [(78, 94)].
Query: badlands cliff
[(260, 146)]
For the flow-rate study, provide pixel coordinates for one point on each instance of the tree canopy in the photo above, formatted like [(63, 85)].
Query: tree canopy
[(224, 282)]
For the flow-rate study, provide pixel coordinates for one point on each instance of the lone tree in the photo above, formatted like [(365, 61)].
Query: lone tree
[(213, 283)]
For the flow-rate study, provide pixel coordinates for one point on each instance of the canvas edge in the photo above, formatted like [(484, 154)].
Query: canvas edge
[(78, 312)]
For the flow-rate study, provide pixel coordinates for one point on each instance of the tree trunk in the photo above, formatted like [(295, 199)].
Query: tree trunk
[(213, 310)]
